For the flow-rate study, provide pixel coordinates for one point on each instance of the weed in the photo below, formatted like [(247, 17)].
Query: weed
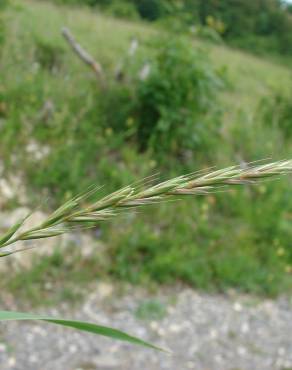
[(150, 310)]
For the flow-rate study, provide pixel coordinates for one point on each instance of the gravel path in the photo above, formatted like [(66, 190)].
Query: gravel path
[(204, 332)]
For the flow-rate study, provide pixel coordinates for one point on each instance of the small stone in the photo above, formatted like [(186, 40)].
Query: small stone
[(48, 285), (213, 334), (161, 332), (174, 328), (218, 358), (6, 189), (33, 358), (39, 330), (190, 365), (244, 328), (154, 325), (104, 290), (237, 307), (107, 362), (11, 361), (241, 351), (281, 351), (73, 348), (170, 310)]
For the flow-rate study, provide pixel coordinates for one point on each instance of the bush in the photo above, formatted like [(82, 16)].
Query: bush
[(123, 9), (257, 44), (150, 9), (209, 34), (174, 103), (2, 30), (168, 104), (3, 4), (48, 55), (277, 113)]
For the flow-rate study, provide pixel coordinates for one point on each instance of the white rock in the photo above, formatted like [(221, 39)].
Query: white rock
[(104, 289), (175, 328), (244, 328), (241, 351), (3, 347), (213, 333), (237, 307), (6, 189), (11, 361)]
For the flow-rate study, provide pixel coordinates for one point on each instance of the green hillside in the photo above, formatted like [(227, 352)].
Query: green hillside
[(239, 239)]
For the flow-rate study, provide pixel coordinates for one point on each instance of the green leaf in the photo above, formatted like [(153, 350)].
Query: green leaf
[(79, 325)]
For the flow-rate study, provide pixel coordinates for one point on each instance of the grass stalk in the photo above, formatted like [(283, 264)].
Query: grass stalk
[(74, 213)]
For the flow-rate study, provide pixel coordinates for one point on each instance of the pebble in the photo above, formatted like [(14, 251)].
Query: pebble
[(237, 307)]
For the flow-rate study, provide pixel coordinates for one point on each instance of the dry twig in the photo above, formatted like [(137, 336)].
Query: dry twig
[(83, 54)]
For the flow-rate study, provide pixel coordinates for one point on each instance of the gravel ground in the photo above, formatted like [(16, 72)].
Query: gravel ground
[(204, 332)]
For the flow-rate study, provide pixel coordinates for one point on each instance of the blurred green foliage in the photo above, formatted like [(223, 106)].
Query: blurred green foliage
[(169, 104), (54, 279), (47, 55), (238, 240), (259, 26), (176, 107), (123, 9), (61, 132), (3, 5), (277, 113), (150, 9), (151, 309)]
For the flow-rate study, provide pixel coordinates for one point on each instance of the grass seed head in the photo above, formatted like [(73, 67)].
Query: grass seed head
[(73, 212)]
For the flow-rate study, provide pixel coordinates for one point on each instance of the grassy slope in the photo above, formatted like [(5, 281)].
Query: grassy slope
[(216, 242), (107, 39)]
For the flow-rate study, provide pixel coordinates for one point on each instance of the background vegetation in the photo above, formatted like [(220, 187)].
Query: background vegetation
[(202, 104), (262, 26)]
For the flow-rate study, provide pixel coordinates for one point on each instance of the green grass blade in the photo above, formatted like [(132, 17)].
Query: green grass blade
[(79, 325), (5, 238)]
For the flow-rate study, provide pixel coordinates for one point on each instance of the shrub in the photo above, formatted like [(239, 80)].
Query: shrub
[(209, 34), (2, 30), (48, 55), (277, 112), (3, 4), (150, 9), (123, 9), (174, 103), (167, 105)]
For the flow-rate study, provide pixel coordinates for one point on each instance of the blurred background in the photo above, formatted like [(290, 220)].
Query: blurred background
[(136, 88)]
